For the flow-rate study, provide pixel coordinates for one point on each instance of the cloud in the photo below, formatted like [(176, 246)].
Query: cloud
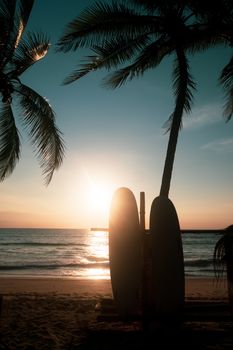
[(200, 117), (220, 145)]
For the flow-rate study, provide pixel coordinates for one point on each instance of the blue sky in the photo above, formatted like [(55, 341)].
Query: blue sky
[(116, 138)]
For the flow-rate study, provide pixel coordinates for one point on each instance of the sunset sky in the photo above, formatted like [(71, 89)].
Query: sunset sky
[(116, 138)]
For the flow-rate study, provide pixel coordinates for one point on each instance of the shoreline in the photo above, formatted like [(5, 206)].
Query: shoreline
[(195, 287)]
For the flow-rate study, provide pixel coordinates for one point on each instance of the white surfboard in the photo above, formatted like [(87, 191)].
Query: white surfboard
[(125, 252), (167, 286)]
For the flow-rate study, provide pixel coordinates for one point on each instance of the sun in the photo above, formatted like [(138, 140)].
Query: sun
[(99, 198), (98, 189)]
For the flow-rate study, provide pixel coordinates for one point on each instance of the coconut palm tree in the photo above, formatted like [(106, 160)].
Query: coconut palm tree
[(17, 54), (140, 34)]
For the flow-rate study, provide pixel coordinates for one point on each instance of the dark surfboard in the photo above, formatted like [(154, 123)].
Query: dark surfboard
[(125, 252), (167, 287)]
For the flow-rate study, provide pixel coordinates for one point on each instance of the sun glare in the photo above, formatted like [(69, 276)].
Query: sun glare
[(99, 198), (97, 191)]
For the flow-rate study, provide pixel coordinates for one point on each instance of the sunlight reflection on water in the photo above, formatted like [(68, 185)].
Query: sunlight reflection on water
[(97, 254), (83, 253)]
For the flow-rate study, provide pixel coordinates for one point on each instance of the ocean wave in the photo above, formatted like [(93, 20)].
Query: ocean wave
[(198, 274), (88, 264), (198, 262), (41, 244), (95, 258), (54, 266)]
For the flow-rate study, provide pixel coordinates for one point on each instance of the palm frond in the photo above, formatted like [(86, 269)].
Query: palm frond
[(223, 256), (7, 13), (9, 142), (202, 37), (219, 257), (214, 19), (111, 54), (93, 63), (120, 50), (183, 81), (39, 120), (119, 77), (103, 22), (149, 57), (7, 8), (147, 5), (29, 51), (183, 87), (160, 6), (211, 11), (15, 17), (25, 8), (23, 13), (226, 79)]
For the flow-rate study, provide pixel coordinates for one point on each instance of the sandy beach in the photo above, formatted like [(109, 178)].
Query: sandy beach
[(39, 313)]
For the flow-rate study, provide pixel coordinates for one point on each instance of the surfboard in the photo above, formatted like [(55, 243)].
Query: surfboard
[(125, 252), (167, 286)]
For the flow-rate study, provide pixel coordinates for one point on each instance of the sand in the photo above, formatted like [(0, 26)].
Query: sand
[(55, 314)]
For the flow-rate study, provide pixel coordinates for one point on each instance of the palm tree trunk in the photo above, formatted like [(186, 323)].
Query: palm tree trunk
[(176, 123), (171, 149)]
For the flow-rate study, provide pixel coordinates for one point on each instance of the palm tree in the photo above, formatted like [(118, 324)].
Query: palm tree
[(17, 54), (141, 35)]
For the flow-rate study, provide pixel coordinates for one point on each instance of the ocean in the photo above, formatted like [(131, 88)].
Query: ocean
[(82, 253)]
